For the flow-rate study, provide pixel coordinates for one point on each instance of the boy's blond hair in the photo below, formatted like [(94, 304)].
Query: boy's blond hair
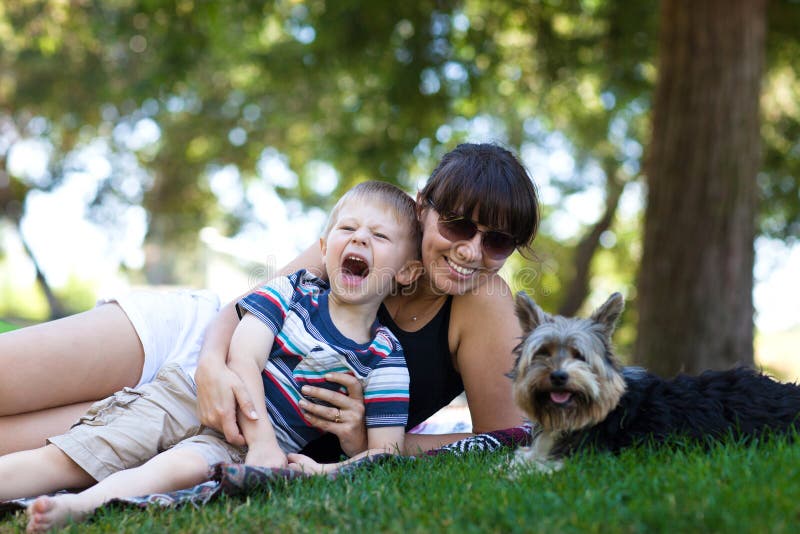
[(402, 208)]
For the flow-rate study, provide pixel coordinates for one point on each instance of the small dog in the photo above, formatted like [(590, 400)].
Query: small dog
[(571, 386)]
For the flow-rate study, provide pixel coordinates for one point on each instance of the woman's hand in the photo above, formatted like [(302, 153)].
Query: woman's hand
[(344, 418), (219, 392)]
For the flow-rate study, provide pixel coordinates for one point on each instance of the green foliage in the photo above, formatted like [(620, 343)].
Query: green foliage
[(730, 488), (376, 89), (5, 327), (542, 276), (221, 80), (18, 299), (779, 184), (76, 295), (22, 298)]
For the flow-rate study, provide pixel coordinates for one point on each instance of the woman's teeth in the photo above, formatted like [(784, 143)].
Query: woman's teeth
[(464, 271)]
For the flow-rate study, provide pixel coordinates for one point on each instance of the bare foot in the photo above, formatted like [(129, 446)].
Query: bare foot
[(46, 513)]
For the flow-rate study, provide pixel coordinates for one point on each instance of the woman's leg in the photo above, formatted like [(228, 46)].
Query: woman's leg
[(84, 357), (30, 430), (171, 470)]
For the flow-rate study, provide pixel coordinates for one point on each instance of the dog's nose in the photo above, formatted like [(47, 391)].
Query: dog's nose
[(559, 378)]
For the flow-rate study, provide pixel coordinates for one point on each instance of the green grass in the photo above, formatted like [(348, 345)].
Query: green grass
[(5, 327), (727, 489)]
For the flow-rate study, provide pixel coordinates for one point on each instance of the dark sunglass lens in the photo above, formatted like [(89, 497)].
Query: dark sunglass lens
[(498, 244), (457, 229)]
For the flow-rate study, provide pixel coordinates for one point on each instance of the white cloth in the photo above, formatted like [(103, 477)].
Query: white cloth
[(170, 325)]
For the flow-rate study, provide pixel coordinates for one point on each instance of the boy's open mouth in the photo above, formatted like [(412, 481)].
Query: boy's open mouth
[(355, 266)]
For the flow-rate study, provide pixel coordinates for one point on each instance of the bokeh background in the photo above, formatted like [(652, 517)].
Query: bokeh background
[(200, 143)]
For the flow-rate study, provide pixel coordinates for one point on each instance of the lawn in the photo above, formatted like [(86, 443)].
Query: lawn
[(5, 327), (727, 489), (731, 488)]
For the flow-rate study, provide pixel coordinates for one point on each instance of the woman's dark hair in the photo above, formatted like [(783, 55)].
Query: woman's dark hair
[(490, 178)]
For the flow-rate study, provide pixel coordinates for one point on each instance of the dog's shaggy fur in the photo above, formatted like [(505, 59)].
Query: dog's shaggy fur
[(571, 386)]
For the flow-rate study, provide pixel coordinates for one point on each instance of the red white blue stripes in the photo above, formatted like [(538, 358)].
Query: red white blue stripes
[(308, 345)]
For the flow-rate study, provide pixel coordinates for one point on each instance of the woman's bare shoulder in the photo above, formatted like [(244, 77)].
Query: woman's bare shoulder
[(490, 306), (492, 296)]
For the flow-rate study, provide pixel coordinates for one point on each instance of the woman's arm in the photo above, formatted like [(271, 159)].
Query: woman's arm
[(486, 331), (219, 390), (418, 443), (384, 440), (483, 333)]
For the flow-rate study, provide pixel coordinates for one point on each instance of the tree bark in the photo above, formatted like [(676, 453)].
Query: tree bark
[(696, 276)]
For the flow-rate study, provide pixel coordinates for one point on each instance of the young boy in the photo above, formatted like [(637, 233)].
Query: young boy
[(293, 331)]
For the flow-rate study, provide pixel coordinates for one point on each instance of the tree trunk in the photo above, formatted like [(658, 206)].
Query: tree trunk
[(584, 253), (57, 309), (696, 276), (14, 216), (160, 258)]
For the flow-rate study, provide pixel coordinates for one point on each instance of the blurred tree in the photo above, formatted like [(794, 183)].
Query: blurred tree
[(575, 70), (221, 81), (696, 275), (377, 89), (779, 176), (69, 73)]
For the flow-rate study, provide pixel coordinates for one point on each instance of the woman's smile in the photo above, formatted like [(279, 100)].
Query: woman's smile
[(459, 269)]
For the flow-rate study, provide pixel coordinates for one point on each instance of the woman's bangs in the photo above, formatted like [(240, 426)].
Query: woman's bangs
[(500, 206), (489, 179)]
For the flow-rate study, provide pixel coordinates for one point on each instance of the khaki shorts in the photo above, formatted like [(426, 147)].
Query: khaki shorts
[(133, 425)]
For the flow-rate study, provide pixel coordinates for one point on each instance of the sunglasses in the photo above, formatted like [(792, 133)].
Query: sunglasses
[(453, 227)]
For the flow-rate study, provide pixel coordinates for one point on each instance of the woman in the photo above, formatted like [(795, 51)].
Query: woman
[(456, 325)]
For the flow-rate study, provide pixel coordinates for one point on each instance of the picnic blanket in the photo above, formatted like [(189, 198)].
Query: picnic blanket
[(239, 479)]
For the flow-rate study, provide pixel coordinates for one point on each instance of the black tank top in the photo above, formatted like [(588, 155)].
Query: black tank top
[(434, 381)]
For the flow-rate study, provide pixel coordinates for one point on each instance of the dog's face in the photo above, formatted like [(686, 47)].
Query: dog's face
[(566, 376)]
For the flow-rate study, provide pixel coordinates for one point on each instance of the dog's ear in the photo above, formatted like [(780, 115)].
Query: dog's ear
[(608, 314), (529, 314)]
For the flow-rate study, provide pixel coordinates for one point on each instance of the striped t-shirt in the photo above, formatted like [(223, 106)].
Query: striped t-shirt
[(307, 345)]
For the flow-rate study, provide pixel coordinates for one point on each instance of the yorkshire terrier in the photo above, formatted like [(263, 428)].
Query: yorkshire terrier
[(578, 396)]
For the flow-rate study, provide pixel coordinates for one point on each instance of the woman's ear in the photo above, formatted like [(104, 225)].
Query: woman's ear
[(409, 272)]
